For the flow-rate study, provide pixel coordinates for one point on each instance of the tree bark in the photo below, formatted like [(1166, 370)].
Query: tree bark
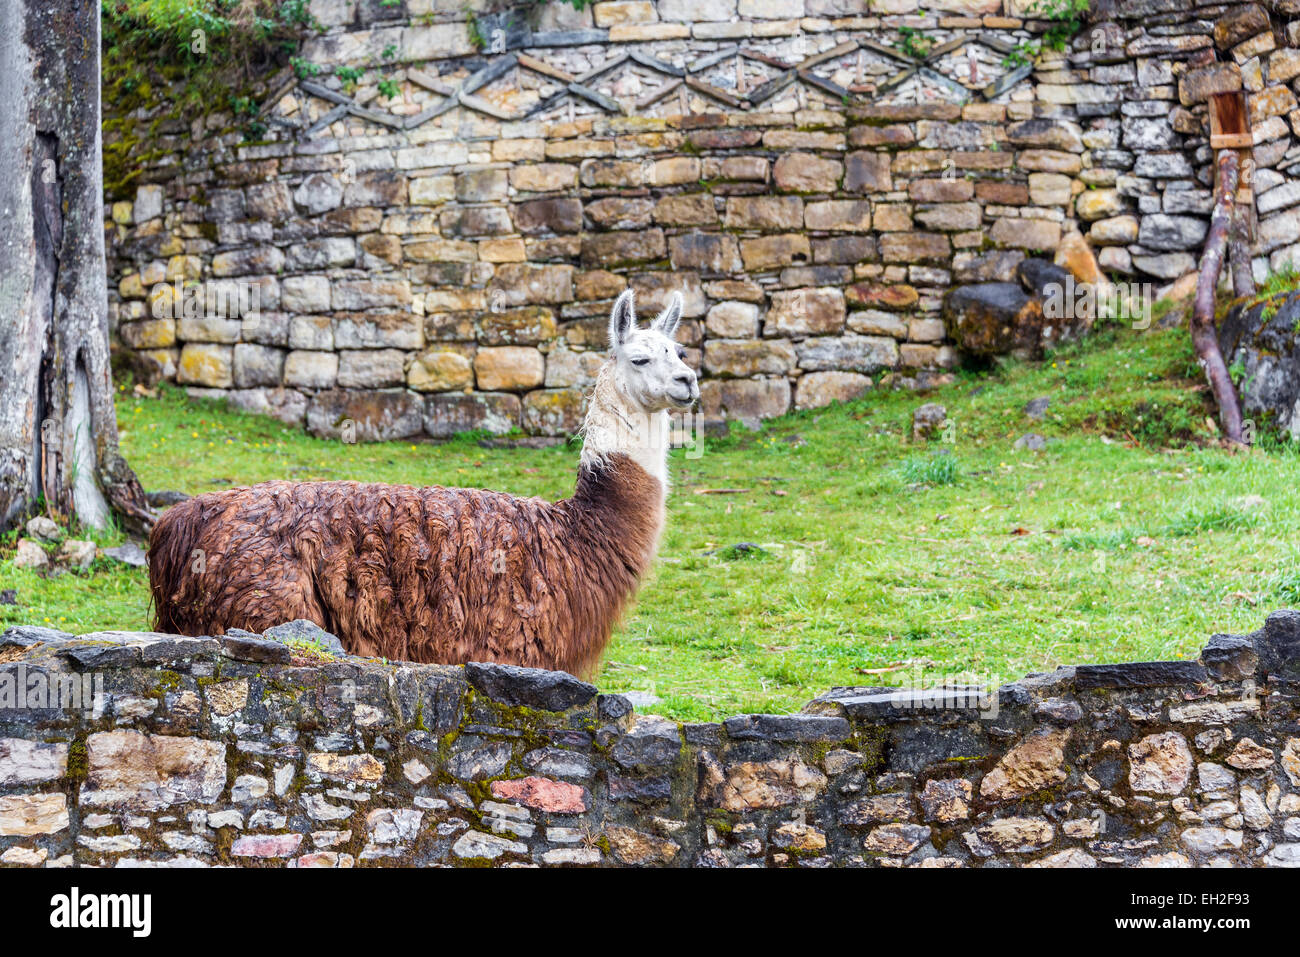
[(1243, 279), (1204, 334), (1239, 235), (58, 427)]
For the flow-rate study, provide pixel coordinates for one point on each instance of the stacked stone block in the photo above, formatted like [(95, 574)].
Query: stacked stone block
[(246, 751), (445, 261)]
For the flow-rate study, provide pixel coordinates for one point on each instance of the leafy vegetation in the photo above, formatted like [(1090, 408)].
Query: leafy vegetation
[(1064, 19), (204, 42), (914, 43)]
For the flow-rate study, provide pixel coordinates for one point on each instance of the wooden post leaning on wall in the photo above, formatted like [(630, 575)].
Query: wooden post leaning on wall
[(1230, 130), (1205, 336)]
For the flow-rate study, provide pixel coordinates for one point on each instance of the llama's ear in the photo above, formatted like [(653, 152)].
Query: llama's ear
[(622, 320), (670, 318)]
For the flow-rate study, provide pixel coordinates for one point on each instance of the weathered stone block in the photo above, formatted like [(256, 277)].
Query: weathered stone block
[(806, 173), (378, 330), (817, 389), (509, 369), (140, 772), (768, 252), (206, 365), (522, 284), (915, 247), (748, 357), (371, 368), (349, 295), (311, 370), (748, 401), (867, 171), (538, 216), (839, 215), (708, 252), (853, 353), (554, 411), (256, 365), (623, 248), (805, 312), (368, 416), (764, 212), (450, 414)]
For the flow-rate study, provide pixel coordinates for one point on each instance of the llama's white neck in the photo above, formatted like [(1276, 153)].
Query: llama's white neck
[(614, 426)]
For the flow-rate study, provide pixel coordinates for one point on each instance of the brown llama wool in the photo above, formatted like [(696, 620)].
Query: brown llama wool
[(446, 575)]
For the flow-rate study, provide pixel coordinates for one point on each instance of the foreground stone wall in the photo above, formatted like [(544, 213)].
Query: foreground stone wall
[(444, 260), (246, 751)]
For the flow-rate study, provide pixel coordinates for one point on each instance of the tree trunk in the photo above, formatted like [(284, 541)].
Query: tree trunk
[(58, 427), (1205, 336)]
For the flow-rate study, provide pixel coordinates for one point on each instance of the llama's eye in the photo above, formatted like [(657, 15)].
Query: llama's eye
[(639, 362), (681, 354)]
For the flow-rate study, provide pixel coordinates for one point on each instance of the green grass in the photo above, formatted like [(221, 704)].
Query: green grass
[(1130, 537)]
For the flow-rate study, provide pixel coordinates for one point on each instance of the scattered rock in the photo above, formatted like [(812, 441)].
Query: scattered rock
[(308, 632), (1036, 409), (44, 529), (128, 554), (1031, 441), (78, 553), (9, 596), (928, 421), (30, 555), (739, 550)]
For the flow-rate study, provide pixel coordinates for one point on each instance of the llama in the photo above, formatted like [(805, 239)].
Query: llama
[(447, 575)]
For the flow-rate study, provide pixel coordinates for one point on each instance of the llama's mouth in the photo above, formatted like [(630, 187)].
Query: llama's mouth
[(683, 402)]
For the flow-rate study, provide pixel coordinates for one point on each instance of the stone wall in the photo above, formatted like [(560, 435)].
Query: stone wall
[(248, 751), (444, 260)]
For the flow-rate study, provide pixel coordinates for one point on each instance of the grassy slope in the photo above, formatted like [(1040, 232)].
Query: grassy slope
[(1092, 550)]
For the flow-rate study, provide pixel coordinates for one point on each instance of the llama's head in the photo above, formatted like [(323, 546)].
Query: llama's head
[(649, 366)]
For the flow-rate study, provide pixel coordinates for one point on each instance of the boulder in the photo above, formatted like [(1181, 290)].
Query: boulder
[(994, 318), (1038, 276), (364, 416), (30, 555), (78, 552), (928, 421), (44, 529), (1261, 339)]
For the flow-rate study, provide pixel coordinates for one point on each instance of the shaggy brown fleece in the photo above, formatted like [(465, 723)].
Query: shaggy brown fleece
[(420, 574)]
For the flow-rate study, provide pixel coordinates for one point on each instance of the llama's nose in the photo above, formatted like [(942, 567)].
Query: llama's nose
[(687, 379)]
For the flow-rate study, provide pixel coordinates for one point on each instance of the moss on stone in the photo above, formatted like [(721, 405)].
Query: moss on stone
[(78, 761)]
